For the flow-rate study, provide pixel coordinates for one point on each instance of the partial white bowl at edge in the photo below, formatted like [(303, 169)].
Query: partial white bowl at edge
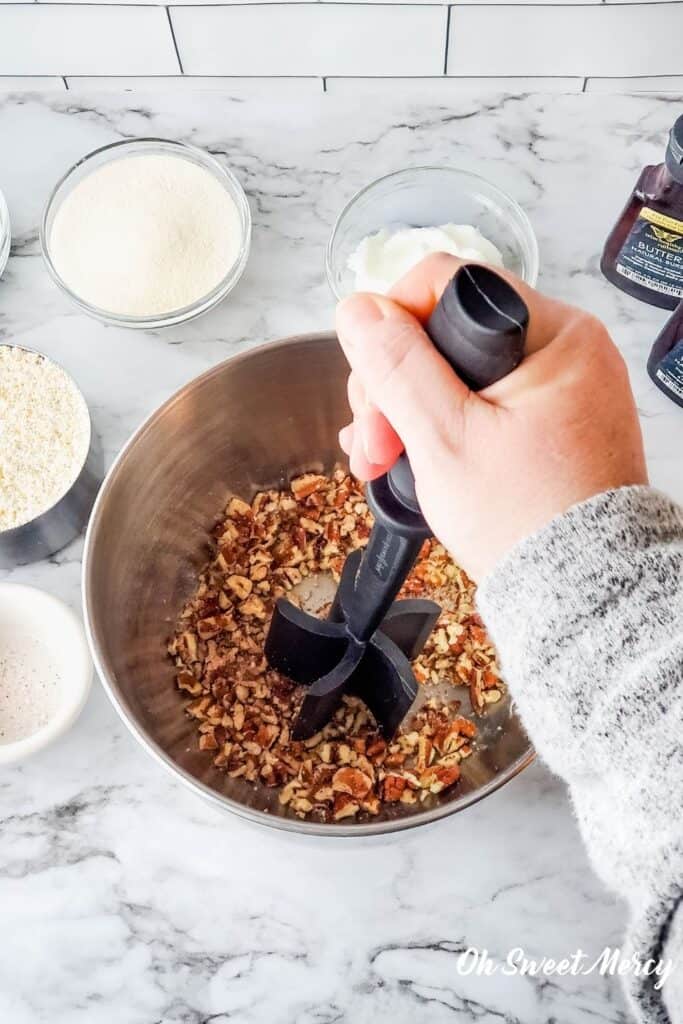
[(5, 234), (31, 611)]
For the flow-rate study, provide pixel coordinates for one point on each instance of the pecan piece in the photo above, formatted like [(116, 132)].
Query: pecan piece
[(392, 788), (308, 483), (437, 778), (240, 586), (352, 781), (344, 807)]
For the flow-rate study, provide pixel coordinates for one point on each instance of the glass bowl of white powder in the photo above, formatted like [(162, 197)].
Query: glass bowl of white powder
[(45, 670), (393, 223), (146, 233)]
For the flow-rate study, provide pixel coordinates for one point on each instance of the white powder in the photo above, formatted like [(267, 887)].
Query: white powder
[(380, 260), (145, 235), (44, 434), (30, 687)]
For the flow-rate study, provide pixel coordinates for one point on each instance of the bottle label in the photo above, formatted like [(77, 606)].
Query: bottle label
[(670, 369), (652, 254)]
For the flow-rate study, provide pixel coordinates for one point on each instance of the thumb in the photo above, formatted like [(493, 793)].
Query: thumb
[(401, 371)]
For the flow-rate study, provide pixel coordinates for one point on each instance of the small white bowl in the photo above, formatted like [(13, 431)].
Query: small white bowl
[(5, 234), (31, 613)]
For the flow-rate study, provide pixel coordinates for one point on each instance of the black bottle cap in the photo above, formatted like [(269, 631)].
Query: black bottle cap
[(674, 151)]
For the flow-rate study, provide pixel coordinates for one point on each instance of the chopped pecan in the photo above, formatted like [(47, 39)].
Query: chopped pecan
[(353, 781), (438, 777), (344, 807), (244, 712), (238, 509), (186, 681), (254, 607), (392, 788), (308, 483), (240, 586)]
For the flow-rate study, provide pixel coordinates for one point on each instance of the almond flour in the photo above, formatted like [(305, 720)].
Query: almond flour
[(145, 235), (44, 434)]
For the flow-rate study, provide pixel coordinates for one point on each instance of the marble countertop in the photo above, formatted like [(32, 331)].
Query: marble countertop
[(122, 897)]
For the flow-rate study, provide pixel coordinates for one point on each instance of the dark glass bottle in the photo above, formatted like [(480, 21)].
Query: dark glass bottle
[(643, 255), (665, 364)]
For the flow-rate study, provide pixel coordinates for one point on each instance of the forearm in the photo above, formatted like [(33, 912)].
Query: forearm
[(587, 616)]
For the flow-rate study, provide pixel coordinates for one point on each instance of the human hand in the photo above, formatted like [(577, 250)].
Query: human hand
[(495, 466)]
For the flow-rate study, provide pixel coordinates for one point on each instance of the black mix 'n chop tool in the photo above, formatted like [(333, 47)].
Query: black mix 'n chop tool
[(366, 645)]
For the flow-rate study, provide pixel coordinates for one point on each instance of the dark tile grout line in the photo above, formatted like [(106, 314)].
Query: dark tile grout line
[(375, 78), (175, 42), (448, 33), (350, 78)]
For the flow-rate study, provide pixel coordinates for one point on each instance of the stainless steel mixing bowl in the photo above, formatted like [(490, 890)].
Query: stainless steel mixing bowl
[(249, 423)]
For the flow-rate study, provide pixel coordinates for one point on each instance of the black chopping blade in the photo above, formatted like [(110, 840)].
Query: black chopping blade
[(369, 639)]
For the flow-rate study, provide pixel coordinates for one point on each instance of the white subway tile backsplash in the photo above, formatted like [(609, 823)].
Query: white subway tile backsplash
[(61, 39), (657, 83), (237, 88), (240, 45), (439, 90), (28, 83), (311, 39), (595, 40)]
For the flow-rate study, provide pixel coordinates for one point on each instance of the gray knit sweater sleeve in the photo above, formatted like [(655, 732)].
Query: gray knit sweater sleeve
[(587, 616)]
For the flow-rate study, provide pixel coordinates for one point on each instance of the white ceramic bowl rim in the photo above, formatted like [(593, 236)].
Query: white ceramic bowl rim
[(76, 683), (5, 233), (173, 316), (534, 261)]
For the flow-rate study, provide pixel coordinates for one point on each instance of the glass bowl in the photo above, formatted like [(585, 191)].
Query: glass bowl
[(426, 197), (116, 151), (5, 234)]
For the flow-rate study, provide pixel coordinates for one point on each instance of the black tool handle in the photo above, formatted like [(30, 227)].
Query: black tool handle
[(386, 562), (479, 326)]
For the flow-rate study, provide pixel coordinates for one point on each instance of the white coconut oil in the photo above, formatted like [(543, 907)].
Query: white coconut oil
[(381, 259)]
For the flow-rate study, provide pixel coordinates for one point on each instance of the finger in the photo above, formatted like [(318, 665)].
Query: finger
[(422, 287), (346, 438), (358, 400), (359, 464), (399, 368), (381, 443), (365, 468)]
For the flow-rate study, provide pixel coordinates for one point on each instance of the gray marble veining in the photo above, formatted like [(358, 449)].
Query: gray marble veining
[(122, 898)]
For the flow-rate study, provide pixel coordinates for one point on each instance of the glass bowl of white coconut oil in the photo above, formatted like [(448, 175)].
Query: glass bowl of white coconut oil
[(146, 233), (398, 219)]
